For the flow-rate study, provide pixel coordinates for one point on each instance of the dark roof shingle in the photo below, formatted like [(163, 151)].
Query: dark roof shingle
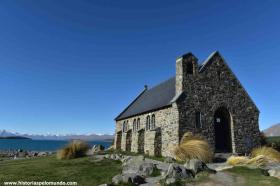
[(151, 99)]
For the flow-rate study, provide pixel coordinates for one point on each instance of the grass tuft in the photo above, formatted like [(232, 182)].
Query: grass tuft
[(193, 147), (269, 153), (237, 160), (74, 149)]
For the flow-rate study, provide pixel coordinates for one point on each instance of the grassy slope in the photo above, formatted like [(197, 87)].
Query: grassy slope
[(83, 170), (254, 177)]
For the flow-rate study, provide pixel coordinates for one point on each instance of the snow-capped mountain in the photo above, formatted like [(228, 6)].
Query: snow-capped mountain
[(87, 137)]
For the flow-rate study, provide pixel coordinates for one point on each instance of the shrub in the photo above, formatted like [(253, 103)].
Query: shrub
[(193, 147), (74, 149), (270, 153)]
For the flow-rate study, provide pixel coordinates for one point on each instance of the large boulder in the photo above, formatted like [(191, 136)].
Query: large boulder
[(146, 169), (133, 164), (117, 179), (132, 178), (178, 172), (195, 165)]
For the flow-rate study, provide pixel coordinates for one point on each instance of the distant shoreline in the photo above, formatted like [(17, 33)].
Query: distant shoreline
[(15, 137)]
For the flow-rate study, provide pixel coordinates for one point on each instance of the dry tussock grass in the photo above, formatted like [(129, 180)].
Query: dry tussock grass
[(193, 147), (74, 149), (258, 161), (270, 153), (259, 157)]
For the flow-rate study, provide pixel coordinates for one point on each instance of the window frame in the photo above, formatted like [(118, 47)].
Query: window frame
[(198, 120), (138, 124), (153, 121), (148, 122)]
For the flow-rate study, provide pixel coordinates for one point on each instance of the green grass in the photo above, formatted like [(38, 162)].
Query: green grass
[(273, 139), (82, 170), (254, 177)]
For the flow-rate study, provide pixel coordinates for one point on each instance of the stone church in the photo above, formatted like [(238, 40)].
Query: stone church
[(205, 99)]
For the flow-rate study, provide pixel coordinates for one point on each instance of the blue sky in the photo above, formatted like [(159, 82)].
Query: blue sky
[(72, 66)]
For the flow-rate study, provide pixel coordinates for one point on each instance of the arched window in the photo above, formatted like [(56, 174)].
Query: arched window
[(198, 119), (127, 126), (124, 126), (189, 68), (134, 125), (138, 123), (153, 126), (148, 123)]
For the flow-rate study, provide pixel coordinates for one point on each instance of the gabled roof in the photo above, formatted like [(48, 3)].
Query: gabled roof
[(150, 99), (162, 95)]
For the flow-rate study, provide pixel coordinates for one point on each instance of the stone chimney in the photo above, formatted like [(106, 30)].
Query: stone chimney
[(186, 70)]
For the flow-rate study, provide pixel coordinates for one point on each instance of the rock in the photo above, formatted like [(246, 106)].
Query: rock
[(178, 172), (219, 166), (42, 154), (146, 169), (117, 179), (274, 172), (138, 180), (125, 159), (195, 165), (153, 181), (97, 148), (169, 181), (135, 160), (169, 160), (118, 157), (133, 179), (113, 156), (133, 164), (21, 154)]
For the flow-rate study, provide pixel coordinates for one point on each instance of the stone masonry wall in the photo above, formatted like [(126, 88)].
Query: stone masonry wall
[(211, 89), (166, 121)]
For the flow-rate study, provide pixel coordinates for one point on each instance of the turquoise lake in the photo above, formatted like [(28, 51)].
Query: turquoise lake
[(41, 145)]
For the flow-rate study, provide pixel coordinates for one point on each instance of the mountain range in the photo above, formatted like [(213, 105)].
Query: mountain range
[(86, 137), (274, 130)]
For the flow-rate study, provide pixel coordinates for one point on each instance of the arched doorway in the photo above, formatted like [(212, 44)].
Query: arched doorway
[(222, 124)]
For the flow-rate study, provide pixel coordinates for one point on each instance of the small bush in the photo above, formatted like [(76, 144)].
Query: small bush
[(74, 149), (193, 147), (269, 153)]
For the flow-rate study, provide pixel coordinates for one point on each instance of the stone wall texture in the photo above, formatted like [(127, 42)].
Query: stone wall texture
[(156, 141), (205, 90)]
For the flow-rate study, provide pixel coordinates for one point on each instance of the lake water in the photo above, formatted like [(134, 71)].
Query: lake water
[(41, 145)]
